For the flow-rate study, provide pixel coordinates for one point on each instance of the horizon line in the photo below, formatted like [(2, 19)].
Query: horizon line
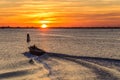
[(92, 27)]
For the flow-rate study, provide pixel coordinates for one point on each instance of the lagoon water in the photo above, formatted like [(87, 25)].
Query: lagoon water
[(74, 54)]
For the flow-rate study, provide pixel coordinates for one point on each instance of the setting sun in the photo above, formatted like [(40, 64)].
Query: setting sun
[(44, 26)]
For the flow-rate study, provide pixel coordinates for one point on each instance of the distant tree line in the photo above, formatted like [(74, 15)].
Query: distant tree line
[(18, 27)]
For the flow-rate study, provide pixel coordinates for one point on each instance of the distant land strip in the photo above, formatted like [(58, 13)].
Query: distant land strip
[(60, 27)]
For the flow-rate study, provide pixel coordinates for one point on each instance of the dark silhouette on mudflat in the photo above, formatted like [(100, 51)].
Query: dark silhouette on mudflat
[(28, 38)]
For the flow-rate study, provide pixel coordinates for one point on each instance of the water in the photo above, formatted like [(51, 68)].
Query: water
[(87, 43)]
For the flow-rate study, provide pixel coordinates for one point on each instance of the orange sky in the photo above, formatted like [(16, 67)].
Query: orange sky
[(60, 13)]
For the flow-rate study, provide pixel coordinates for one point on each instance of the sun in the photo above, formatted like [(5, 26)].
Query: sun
[(44, 26)]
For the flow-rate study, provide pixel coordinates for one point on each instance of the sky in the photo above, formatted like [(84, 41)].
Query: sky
[(60, 13)]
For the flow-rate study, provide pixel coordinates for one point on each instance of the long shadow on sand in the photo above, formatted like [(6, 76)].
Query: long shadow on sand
[(87, 58), (102, 67), (59, 55), (82, 57)]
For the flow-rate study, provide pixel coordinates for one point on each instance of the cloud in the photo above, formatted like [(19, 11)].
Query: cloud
[(74, 10)]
